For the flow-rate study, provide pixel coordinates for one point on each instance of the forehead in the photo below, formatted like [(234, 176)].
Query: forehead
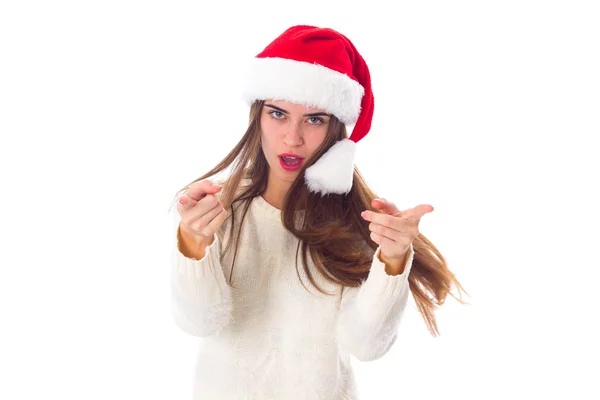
[(289, 106)]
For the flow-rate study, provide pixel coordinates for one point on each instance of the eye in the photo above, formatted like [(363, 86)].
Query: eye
[(317, 120), (276, 114)]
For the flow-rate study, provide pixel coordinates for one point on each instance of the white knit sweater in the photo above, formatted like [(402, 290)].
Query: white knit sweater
[(267, 337)]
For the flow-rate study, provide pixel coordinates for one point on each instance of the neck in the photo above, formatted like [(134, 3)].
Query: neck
[(275, 192)]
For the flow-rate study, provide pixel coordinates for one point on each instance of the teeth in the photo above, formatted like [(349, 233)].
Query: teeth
[(291, 160)]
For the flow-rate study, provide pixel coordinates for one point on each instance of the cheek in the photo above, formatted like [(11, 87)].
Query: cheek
[(270, 132), (315, 141), (267, 124), (267, 144), (267, 129)]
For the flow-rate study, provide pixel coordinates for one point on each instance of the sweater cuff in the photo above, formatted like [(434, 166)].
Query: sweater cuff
[(190, 266), (380, 265), (379, 287), (203, 279)]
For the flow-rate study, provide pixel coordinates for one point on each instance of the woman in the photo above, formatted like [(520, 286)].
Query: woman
[(273, 329)]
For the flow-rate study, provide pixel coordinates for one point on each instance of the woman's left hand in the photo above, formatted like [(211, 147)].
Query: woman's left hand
[(394, 230)]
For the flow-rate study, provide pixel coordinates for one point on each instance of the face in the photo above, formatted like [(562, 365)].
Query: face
[(291, 133)]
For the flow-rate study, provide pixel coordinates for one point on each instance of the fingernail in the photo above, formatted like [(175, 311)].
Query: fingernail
[(217, 186), (182, 201)]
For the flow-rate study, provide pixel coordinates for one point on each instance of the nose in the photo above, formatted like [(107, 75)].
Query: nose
[(293, 136)]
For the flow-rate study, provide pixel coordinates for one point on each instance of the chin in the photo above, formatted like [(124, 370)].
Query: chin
[(285, 176), (288, 177)]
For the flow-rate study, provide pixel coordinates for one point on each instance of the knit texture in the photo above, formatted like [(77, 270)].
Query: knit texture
[(268, 337)]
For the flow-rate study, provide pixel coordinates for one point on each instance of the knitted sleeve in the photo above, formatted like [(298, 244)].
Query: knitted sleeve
[(200, 297), (370, 314)]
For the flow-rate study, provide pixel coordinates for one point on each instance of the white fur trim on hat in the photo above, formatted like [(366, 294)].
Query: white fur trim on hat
[(334, 170), (304, 83)]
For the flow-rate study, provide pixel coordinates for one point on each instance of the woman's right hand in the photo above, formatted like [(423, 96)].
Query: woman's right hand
[(201, 212)]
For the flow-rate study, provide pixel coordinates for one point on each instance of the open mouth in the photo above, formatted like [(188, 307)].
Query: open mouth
[(291, 161)]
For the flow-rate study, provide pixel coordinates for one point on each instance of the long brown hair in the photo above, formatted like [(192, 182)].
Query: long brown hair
[(333, 233)]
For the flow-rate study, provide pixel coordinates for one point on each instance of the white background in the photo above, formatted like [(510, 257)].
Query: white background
[(487, 110)]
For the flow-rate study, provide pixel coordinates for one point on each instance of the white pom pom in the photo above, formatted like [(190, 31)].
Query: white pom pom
[(333, 172)]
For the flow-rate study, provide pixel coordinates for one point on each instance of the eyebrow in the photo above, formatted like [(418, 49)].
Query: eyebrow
[(317, 114)]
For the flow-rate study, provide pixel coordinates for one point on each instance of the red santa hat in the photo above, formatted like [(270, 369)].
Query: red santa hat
[(320, 68)]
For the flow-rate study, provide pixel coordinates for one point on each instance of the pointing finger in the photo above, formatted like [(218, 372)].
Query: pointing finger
[(198, 190), (415, 214)]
